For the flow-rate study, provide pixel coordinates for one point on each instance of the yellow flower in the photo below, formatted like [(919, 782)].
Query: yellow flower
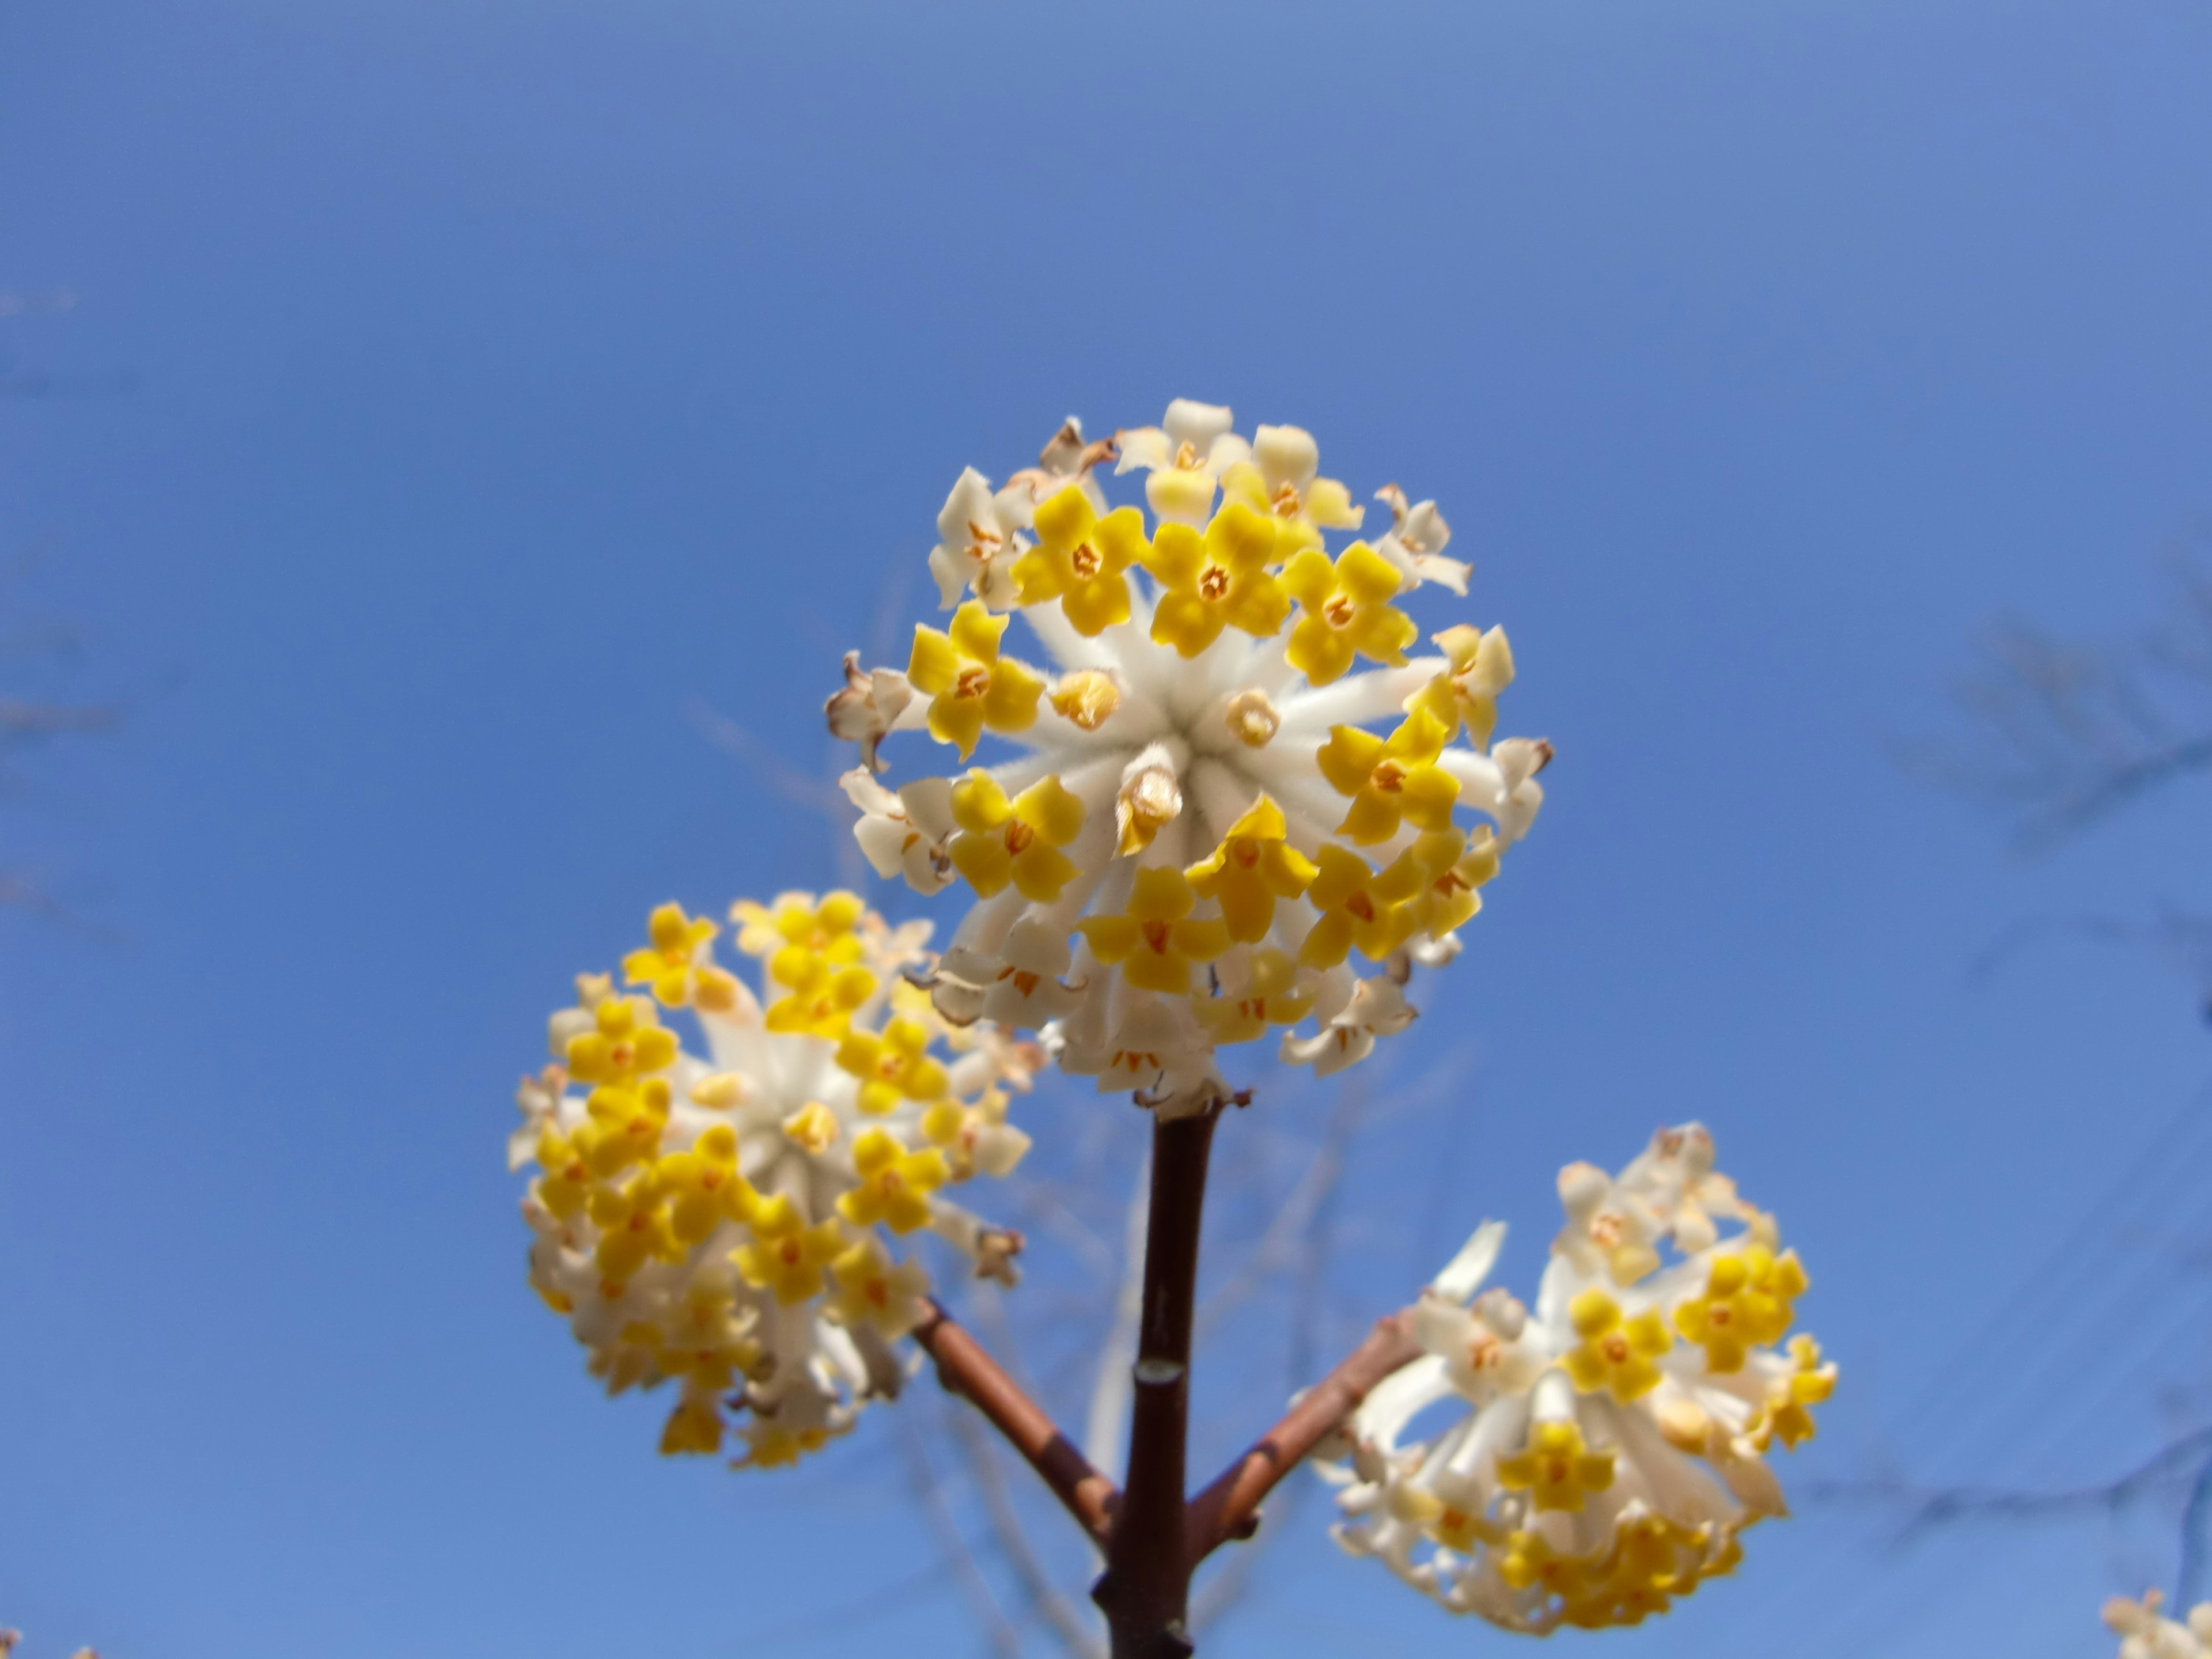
[(892, 1066), (566, 1186), (1745, 1305), (1556, 1469), (1455, 870), (970, 685), (1360, 908), (813, 951), (1466, 693), (825, 929), (1391, 779), (634, 1229), (1347, 612), (624, 1125), (1269, 996), (694, 1427), (787, 1255), (671, 967), (1079, 560), (1017, 840), (895, 1183), (821, 997), (1530, 1558), (1252, 868), (873, 1290), (704, 1186), (626, 1043), (1615, 1354), (1789, 1398), (1280, 480), (1216, 580), (1154, 942)]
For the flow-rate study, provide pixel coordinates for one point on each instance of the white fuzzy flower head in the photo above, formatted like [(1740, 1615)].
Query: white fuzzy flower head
[(1612, 1442), (734, 1219), (2145, 1635), (1238, 806)]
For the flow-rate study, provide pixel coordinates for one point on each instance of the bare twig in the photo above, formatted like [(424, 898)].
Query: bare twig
[(1226, 1509), (965, 1369), (1005, 1639), (1066, 1618), (2185, 1460)]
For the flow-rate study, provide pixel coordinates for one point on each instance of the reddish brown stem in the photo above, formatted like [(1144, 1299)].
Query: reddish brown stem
[(1229, 1507), (1153, 1540), (1146, 1591), (965, 1369)]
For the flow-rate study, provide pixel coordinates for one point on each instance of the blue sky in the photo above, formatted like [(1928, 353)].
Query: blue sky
[(458, 393)]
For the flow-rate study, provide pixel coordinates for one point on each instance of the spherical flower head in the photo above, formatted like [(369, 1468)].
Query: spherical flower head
[(1235, 806), (726, 1215), (1600, 1468)]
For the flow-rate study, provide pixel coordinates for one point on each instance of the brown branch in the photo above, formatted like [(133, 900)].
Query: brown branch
[(1229, 1507), (965, 1369), (1145, 1590)]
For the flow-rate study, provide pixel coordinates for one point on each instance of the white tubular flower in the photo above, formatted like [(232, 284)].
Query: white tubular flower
[(1416, 541), (727, 1219), (1232, 787), (2144, 1635), (978, 539), (1614, 1439)]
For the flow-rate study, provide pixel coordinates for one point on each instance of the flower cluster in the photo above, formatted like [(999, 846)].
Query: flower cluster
[(2144, 1635), (732, 1221), (1236, 786), (1612, 1444)]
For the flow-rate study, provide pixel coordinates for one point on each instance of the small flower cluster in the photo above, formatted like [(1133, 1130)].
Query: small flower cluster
[(1211, 816), (727, 1222), (2144, 1635), (1614, 1438)]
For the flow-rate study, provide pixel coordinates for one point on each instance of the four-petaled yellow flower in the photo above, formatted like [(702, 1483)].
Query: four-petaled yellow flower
[(633, 1227), (894, 1064), (895, 1183), (1215, 580), (1530, 1558), (874, 1291), (1390, 780), (1079, 560), (1456, 869), (1016, 841), (970, 685), (1270, 995), (1154, 941), (1280, 479), (1745, 1306), (703, 1186), (813, 951), (1348, 612), (1556, 1470), (1466, 693), (1360, 908), (672, 967), (1252, 868), (821, 997), (1790, 1400), (798, 923), (1615, 1353), (695, 1427), (626, 1043), (787, 1255)]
